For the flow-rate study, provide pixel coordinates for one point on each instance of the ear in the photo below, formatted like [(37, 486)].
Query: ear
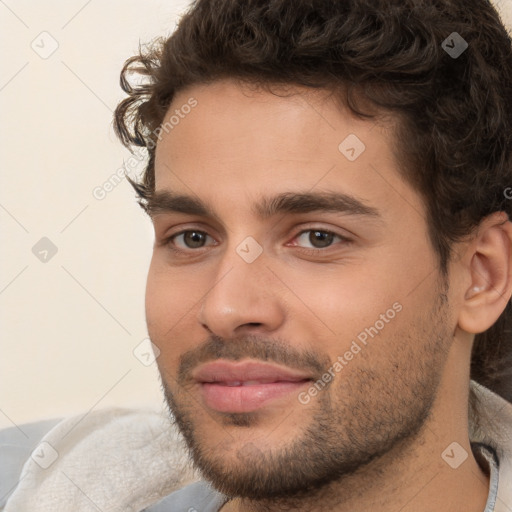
[(490, 271)]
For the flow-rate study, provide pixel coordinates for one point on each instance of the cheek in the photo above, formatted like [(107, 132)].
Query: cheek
[(172, 302), (159, 298), (162, 307), (359, 301), (170, 292), (162, 319), (345, 299)]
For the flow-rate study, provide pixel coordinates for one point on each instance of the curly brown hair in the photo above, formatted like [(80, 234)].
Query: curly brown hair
[(453, 140)]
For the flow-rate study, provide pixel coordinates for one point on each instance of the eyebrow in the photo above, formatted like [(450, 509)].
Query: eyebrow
[(164, 201)]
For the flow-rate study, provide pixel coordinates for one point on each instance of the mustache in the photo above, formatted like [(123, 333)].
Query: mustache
[(254, 347)]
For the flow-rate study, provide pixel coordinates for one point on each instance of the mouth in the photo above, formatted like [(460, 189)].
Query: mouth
[(245, 386)]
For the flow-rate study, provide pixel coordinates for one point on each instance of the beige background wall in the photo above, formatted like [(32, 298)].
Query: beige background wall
[(70, 321)]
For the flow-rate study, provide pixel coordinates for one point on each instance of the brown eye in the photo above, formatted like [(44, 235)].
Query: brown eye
[(319, 239), (190, 239)]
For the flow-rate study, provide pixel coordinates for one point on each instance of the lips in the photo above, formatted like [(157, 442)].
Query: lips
[(246, 386), (245, 372), (244, 382)]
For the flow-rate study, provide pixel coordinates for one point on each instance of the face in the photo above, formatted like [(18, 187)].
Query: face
[(293, 292)]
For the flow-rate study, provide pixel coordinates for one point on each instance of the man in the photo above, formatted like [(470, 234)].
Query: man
[(330, 285)]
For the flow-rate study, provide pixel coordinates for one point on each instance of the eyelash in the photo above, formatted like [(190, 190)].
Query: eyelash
[(313, 251)]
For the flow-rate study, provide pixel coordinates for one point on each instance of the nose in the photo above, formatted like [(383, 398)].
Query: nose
[(244, 297)]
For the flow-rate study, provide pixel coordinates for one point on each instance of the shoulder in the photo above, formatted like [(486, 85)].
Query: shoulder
[(101, 454), (492, 426), (16, 445), (491, 421)]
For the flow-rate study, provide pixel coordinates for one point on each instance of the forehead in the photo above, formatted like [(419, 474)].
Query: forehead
[(295, 123), (240, 140)]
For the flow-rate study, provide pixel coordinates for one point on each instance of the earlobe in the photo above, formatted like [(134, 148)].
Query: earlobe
[(490, 270)]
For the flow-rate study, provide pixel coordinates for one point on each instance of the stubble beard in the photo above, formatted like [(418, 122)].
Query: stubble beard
[(373, 411)]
